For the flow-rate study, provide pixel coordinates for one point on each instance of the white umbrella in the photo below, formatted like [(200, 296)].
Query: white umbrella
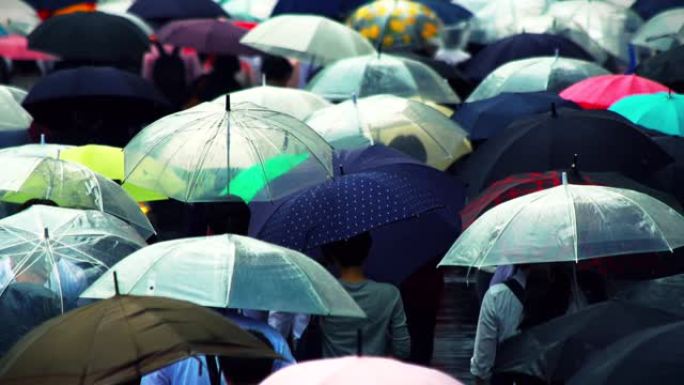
[(499, 18), (12, 115), (661, 32), (18, 17)]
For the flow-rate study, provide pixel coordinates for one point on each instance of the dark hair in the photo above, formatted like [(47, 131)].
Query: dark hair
[(276, 68), (227, 64), (349, 252), (37, 201), (409, 145), (547, 293), (247, 371)]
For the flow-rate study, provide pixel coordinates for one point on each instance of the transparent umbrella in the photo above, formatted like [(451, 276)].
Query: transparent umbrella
[(50, 150), (290, 101), (207, 153), (12, 115), (535, 74), (230, 271), (68, 185), (410, 126), (381, 74), (661, 32), (18, 17), (64, 250), (500, 18), (568, 223), (17, 93)]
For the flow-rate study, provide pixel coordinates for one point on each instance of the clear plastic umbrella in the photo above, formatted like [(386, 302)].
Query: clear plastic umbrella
[(297, 103), (611, 26), (381, 74), (568, 223), (206, 153), (661, 32), (62, 249), (250, 10), (12, 115), (68, 185), (50, 150), (18, 17), (230, 271), (410, 126), (314, 39), (535, 74), (500, 18), (17, 93)]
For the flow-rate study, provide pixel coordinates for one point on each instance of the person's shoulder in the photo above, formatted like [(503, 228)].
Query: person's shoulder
[(385, 288), (499, 290)]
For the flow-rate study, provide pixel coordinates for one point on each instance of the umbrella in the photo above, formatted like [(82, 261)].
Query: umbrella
[(652, 355), (310, 38), (122, 338), (55, 5), (555, 350), (38, 150), (118, 8), (604, 141), (12, 114), (521, 46), (663, 293), (230, 271), (91, 37), (334, 9), (568, 223), (600, 92), (397, 24), (17, 93), (450, 13), (407, 125), (496, 19), (366, 370), (213, 36), (18, 17), (383, 74), (199, 154), (650, 8), (661, 32), (250, 10), (290, 101), (68, 185), (662, 112), (15, 47), (161, 11), (485, 118), (61, 249), (672, 175), (535, 74), (665, 68), (610, 25)]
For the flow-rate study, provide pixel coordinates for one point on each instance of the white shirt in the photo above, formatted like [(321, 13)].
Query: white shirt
[(500, 316)]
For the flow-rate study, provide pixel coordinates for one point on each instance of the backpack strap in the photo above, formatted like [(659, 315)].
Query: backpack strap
[(514, 286), (160, 48)]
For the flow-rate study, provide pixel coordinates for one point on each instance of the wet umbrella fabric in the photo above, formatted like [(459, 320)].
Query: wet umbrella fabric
[(556, 350), (663, 293), (12, 114), (15, 47), (604, 141), (535, 74), (333, 9), (500, 18), (91, 37), (450, 13), (211, 36), (672, 175), (521, 46), (122, 338), (485, 118), (661, 32), (665, 68), (662, 112), (600, 92), (18, 17), (165, 10), (298, 103), (230, 271), (650, 8)]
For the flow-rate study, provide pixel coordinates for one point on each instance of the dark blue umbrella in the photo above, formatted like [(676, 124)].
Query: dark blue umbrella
[(447, 11), (53, 5), (484, 118), (649, 8), (165, 10), (334, 9), (521, 46)]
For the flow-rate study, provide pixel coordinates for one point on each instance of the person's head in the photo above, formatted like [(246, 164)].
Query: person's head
[(276, 69), (547, 292), (247, 371), (350, 252), (228, 217), (411, 146), (226, 64), (37, 201)]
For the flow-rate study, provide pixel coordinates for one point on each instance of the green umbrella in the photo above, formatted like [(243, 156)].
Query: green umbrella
[(662, 111)]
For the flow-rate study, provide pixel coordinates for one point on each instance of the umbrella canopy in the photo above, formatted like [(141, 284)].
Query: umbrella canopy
[(55, 5), (662, 293), (18, 17), (212, 36), (603, 140), (250, 10), (600, 92), (450, 13), (334, 9), (297, 103), (50, 150), (397, 24), (665, 68), (366, 370), (496, 19), (310, 38), (610, 25), (535, 74), (521, 46), (662, 31), (15, 47), (68, 185), (17, 93), (230, 271), (383, 74), (650, 8), (568, 223), (671, 177), (555, 350), (651, 355), (64, 250), (12, 114), (662, 112), (161, 11), (484, 118), (122, 338), (410, 126), (92, 37), (213, 151)]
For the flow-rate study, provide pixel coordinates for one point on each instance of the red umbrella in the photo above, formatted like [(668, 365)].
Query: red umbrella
[(600, 92), (15, 47), (214, 36)]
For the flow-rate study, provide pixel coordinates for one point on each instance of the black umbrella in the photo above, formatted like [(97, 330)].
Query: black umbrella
[(91, 37), (671, 177), (663, 293), (604, 141), (649, 8), (651, 356), (161, 11), (555, 350), (666, 68)]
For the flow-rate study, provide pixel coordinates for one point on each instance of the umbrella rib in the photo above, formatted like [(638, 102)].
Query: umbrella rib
[(262, 164), (573, 219)]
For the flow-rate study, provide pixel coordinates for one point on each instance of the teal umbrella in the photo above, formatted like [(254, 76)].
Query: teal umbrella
[(662, 111)]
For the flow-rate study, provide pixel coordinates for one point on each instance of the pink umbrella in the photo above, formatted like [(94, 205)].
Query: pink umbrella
[(214, 36), (600, 92), (15, 47), (358, 370)]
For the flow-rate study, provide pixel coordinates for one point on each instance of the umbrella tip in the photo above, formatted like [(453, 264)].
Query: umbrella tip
[(263, 80), (228, 102), (341, 170), (46, 233), (354, 98), (42, 138), (116, 284), (359, 342), (564, 178)]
